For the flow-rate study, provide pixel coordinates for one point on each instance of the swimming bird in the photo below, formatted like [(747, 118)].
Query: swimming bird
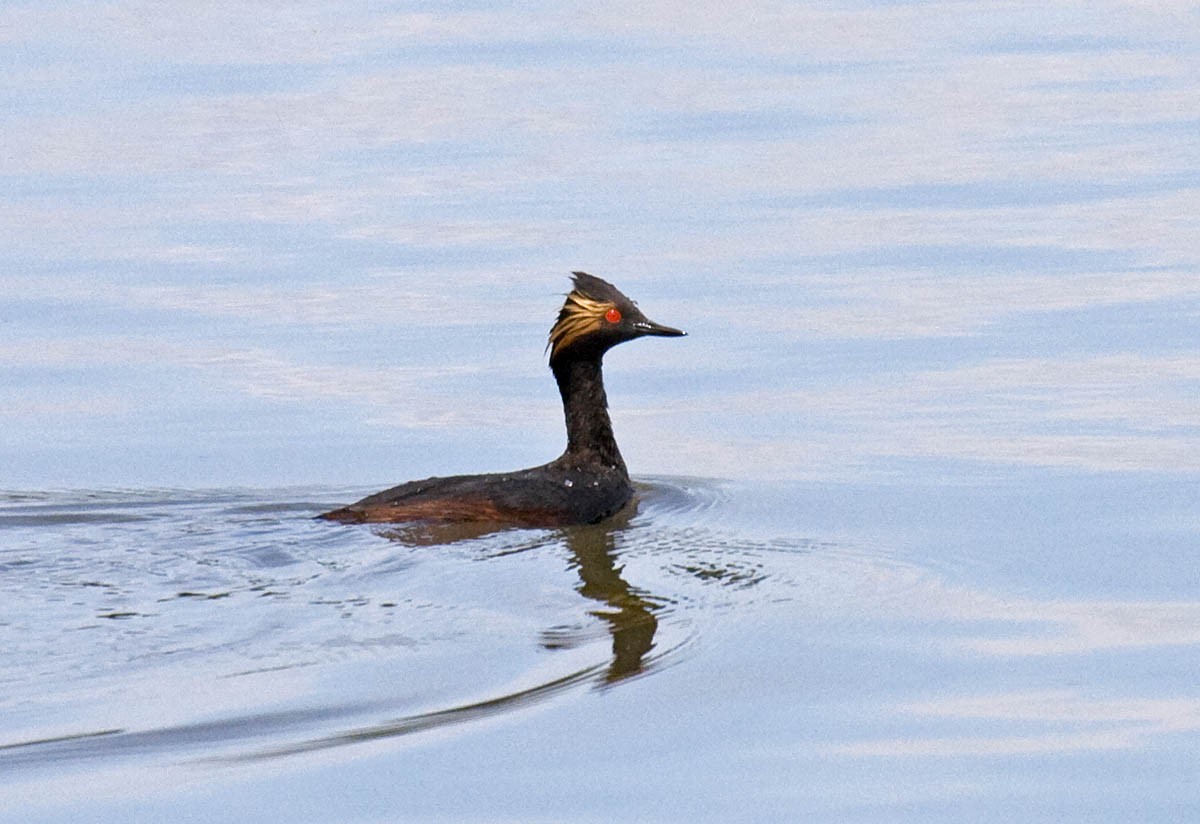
[(588, 482)]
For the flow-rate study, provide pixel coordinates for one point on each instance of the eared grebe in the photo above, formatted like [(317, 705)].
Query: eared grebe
[(588, 482)]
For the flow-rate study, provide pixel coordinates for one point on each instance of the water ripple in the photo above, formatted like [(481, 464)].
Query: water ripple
[(187, 620)]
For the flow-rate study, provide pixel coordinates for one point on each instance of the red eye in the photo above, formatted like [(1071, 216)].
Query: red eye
[(613, 315)]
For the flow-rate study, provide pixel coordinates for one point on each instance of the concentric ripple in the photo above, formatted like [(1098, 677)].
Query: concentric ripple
[(231, 624)]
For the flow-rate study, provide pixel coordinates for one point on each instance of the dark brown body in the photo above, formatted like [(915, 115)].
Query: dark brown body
[(550, 495), (587, 483)]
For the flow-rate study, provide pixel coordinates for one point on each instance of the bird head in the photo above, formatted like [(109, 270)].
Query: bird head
[(595, 317)]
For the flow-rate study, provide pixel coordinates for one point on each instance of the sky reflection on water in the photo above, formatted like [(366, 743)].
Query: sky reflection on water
[(240, 245), (730, 639)]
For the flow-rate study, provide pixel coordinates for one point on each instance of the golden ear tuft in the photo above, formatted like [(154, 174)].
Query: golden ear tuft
[(579, 317)]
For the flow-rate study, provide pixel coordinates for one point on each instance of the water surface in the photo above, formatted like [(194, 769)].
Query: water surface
[(833, 649), (917, 528)]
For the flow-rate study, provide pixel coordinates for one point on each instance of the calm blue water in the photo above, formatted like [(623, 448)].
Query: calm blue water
[(730, 651), (917, 532)]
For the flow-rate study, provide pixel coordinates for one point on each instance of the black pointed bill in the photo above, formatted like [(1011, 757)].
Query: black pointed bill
[(649, 327)]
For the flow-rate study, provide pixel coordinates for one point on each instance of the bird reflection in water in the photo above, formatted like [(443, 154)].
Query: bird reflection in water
[(628, 613)]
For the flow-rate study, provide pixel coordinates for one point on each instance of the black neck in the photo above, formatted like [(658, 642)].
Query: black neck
[(589, 429)]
